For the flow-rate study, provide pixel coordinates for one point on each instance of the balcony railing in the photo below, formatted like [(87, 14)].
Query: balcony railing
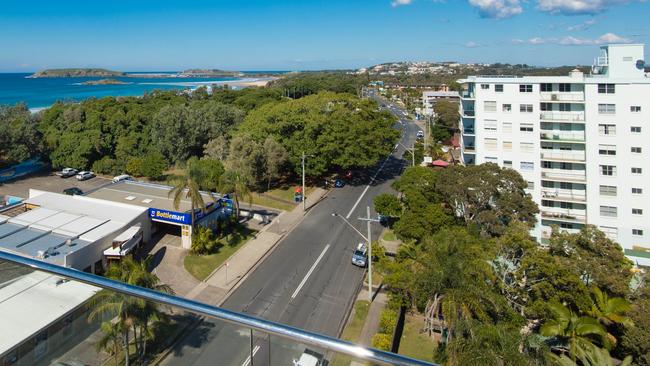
[(466, 94), (564, 214), (468, 113), (469, 149), (573, 136), (468, 131), (546, 233), (564, 194), (578, 156), (562, 116), (562, 96), (71, 336), (564, 175)]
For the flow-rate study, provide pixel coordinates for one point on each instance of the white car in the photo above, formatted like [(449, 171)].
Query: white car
[(85, 175), (310, 358), (67, 172), (121, 178)]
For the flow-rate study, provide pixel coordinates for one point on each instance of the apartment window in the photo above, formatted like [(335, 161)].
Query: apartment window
[(546, 87), (637, 232), (485, 86), (565, 87), (526, 147), (507, 145), (506, 108), (507, 164), (637, 190), (498, 88), (606, 88), (527, 165), (610, 232), (491, 159), (526, 127), (608, 170), (607, 150), (490, 106), (531, 185), (545, 106), (637, 211), (637, 170), (635, 129), (608, 211), (526, 108), (635, 150), (526, 88), (609, 191), (607, 130), (635, 109), (490, 125), (490, 144), (507, 126), (565, 107), (547, 164), (607, 108)]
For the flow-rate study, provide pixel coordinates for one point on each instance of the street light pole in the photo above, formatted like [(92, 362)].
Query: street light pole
[(411, 150), (303, 182)]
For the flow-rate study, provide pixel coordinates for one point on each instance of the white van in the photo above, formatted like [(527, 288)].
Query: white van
[(310, 358)]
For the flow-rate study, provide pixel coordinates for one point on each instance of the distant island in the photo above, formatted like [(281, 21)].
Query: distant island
[(103, 73), (104, 82), (77, 73)]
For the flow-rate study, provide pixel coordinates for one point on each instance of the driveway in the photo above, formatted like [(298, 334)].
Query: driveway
[(167, 261)]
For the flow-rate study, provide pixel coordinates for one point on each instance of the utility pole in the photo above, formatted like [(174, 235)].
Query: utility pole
[(369, 220), (303, 183)]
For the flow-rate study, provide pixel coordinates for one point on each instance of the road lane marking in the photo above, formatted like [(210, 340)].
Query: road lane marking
[(367, 187), (248, 360), (304, 280)]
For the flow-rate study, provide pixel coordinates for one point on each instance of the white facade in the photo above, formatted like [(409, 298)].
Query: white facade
[(581, 141), (429, 99)]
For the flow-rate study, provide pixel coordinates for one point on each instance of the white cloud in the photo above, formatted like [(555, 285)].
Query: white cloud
[(401, 2), (472, 44), (582, 26), (572, 7), (575, 41), (497, 8)]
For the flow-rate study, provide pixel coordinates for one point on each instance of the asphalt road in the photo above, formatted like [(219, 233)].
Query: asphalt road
[(307, 282)]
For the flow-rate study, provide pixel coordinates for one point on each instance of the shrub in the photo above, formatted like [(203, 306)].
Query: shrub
[(134, 167), (153, 165), (387, 321), (382, 341), (106, 165), (203, 241)]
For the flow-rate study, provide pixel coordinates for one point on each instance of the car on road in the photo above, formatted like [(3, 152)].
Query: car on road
[(73, 191), (85, 175), (360, 255), (310, 358), (67, 172), (420, 134), (339, 183), (123, 177)]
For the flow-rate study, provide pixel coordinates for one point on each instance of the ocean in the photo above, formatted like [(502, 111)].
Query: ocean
[(43, 92)]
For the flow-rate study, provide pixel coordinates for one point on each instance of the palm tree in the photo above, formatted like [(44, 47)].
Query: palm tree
[(610, 311), (187, 185), (238, 184), (574, 333), (111, 340)]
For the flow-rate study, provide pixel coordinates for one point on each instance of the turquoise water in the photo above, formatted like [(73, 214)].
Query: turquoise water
[(43, 92)]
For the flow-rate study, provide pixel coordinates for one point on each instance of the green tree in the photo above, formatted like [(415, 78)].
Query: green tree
[(446, 114), (275, 156), (186, 186), (238, 184), (111, 340), (134, 166), (388, 205), (203, 241), (153, 165), (575, 335), (208, 172)]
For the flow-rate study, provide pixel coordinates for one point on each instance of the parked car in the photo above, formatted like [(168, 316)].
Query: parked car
[(67, 172), (360, 255), (420, 134), (121, 178), (339, 183), (85, 175), (73, 191)]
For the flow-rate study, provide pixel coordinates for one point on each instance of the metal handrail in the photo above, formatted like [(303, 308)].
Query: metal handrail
[(265, 326)]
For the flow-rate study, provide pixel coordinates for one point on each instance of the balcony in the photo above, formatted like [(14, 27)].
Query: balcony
[(562, 136), (467, 94), (562, 97), (468, 113), (469, 149), (546, 233), (48, 311), (564, 214), (562, 116), (570, 195), (563, 155), (468, 131), (563, 175)]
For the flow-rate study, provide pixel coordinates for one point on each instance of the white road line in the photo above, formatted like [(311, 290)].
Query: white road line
[(366, 190), (248, 360), (302, 283)]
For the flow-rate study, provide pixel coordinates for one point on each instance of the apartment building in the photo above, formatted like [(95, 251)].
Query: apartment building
[(581, 141)]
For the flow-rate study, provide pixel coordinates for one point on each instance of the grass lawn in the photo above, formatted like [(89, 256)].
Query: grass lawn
[(413, 343), (352, 330), (200, 266), (285, 193), (268, 202), (377, 277), (389, 235)]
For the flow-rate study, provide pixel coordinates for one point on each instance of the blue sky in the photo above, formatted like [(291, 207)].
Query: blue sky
[(310, 34)]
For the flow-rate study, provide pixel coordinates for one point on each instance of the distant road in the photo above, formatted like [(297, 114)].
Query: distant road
[(307, 282)]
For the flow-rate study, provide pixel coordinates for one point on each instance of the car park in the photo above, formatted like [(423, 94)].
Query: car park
[(85, 175), (121, 178), (73, 191), (360, 255), (67, 172)]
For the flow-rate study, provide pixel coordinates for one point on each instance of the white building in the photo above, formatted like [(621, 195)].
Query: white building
[(581, 141), (430, 97)]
